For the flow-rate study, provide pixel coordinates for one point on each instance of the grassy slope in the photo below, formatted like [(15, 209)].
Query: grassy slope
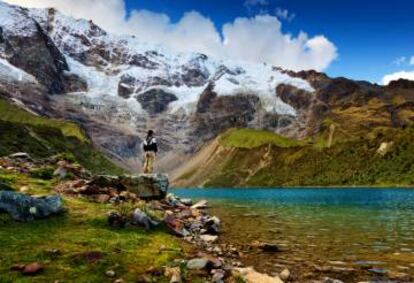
[(347, 162), (130, 252), (42, 137)]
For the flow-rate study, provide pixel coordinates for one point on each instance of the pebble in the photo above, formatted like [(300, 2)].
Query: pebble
[(110, 273), (285, 274), (197, 263), (32, 268)]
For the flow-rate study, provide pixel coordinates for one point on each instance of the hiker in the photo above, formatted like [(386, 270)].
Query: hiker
[(150, 150)]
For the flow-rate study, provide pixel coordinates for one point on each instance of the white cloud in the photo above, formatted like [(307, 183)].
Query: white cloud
[(256, 39), (284, 14), (400, 60), (408, 75)]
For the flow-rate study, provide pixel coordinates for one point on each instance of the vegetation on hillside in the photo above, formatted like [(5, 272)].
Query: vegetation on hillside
[(42, 137), (347, 162)]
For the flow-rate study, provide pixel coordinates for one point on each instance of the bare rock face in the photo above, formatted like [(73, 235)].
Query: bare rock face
[(156, 101)]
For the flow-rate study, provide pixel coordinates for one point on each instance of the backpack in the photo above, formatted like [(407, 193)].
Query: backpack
[(149, 144)]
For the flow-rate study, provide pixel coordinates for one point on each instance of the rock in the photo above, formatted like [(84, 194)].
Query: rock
[(32, 268), (249, 275), (20, 155), (186, 201), (331, 280), (17, 267), (24, 189), (120, 280), (197, 263), (285, 274), (200, 205), (141, 218), (115, 219), (174, 225), (26, 208), (268, 247), (146, 186), (60, 172), (218, 276), (102, 198), (208, 238), (213, 225), (110, 273), (174, 274)]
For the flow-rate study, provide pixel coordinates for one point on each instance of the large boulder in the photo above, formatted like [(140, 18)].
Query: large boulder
[(153, 186), (22, 207), (146, 186)]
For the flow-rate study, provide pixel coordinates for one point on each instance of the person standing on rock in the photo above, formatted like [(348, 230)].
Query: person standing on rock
[(150, 150)]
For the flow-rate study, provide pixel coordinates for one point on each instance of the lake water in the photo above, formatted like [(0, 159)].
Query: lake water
[(346, 233)]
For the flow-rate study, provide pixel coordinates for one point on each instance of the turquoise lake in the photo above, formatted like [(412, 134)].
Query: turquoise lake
[(348, 233)]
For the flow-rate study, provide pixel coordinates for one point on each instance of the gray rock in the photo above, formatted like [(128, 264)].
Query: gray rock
[(197, 263), (22, 207), (285, 274), (21, 155), (186, 201), (200, 205), (141, 218), (145, 186)]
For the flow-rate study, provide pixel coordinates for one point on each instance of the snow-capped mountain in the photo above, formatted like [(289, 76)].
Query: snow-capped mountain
[(118, 87)]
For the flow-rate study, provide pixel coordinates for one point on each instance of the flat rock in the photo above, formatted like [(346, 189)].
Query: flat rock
[(200, 204), (22, 207), (249, 275), (209, 238), (197, 263), (146, 186)]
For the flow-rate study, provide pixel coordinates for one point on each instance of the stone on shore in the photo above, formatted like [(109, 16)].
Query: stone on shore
[(249, 275), (22, 207)]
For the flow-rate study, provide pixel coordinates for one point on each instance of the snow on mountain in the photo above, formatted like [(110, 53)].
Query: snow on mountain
[(118, 87), (103, 60)]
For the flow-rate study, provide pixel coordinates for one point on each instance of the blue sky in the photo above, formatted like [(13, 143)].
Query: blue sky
[(369, 35)]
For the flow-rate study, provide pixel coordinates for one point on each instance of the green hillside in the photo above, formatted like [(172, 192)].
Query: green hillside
[(21, 131), (269, 162)]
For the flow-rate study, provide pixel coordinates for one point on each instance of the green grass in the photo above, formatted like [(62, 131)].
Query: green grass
[(130, 252), (346, 163), (42, 137), (249, 138), (14, 114)]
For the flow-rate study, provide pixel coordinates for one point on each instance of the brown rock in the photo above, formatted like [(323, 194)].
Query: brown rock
[(32, 268)]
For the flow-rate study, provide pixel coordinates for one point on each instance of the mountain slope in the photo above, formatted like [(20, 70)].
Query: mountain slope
[(21, 131), (227, 162)]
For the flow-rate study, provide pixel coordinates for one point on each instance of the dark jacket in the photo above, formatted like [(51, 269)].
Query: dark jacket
[(150, 144)]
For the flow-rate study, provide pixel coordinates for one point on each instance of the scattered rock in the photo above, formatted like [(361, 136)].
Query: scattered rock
[(116, 220), (32, 268), (209, 238), (110, 273), (186, 201), (218, 276), (249, 275), (174, 274), (202, 204), (197, 263), (285, 274), (141, 218), (20, 155), (269, 247), (22, 207)]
